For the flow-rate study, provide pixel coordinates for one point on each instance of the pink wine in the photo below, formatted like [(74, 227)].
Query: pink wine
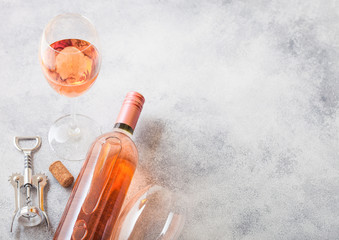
[(71, 66), (100, 189)]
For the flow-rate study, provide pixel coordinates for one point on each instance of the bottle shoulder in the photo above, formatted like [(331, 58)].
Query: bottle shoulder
[(122, 136), (128, 148)]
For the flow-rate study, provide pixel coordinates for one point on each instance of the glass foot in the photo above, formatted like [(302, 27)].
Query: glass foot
[(72, 143)]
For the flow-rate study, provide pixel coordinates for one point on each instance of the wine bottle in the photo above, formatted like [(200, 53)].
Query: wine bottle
[(100, 189)]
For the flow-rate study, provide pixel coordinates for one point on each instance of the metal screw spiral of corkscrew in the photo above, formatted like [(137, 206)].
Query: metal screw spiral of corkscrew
[(27, 213)]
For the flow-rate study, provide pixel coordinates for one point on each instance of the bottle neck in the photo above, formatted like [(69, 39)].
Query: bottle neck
[(123, 128), (129, 112)]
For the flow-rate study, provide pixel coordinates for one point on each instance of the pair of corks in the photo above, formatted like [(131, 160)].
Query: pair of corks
[(61, 174)]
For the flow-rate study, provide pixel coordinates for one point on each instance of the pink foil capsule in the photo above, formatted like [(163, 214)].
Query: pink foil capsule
[(131, 109)]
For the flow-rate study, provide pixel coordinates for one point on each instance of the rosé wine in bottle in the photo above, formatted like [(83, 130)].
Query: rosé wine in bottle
[(100, 189), (71, 66)]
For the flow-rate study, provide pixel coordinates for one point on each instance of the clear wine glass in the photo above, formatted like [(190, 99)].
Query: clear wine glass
[(154, 213), (70, 59)]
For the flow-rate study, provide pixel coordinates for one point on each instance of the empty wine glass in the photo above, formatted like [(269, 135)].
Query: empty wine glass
[(70, 59), (154, 213)]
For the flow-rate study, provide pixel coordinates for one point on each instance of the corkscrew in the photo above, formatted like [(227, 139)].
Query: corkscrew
[(28, 214)]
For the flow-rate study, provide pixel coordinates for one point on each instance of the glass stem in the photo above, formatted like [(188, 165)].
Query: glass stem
[(74, 130)]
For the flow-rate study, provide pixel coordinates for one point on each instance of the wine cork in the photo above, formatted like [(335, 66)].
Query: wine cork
[(60, 172)]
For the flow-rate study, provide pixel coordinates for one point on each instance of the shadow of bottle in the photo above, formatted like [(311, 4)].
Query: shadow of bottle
[(150, 143)]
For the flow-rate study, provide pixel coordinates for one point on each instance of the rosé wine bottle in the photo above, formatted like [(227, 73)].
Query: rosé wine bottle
[(100, 189)]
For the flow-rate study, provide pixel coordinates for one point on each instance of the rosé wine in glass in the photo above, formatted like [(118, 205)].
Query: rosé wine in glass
[(71, 66)]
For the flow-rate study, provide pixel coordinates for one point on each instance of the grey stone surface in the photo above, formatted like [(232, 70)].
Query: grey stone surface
[(241, 108)]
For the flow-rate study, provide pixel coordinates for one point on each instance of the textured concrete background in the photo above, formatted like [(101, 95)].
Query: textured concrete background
[(241, 108)]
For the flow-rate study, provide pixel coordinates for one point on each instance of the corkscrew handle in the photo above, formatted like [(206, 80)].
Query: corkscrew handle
[(28, 162), (28, 155), (27, 151), (40, 181), (17, 181)]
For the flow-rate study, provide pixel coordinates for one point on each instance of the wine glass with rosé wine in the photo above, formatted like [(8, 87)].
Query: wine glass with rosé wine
[(70, 59)]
